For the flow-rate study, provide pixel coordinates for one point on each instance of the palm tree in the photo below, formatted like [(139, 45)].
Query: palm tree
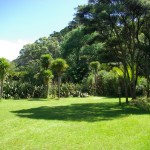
[(4, 65), (59, 65)]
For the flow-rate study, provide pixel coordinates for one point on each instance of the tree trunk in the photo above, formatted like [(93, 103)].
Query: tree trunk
[(1, 89), (119, 94), (133, 91), (147, 76), (95, 85), (47, 90), (53, 89), (59, 83), (133, 84), (126, 84), (126, 92), (148, 82)]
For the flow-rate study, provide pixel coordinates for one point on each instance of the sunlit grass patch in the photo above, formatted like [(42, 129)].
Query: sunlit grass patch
[(74, 123)]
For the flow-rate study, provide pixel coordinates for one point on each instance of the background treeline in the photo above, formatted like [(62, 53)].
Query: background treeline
[(104, 49)]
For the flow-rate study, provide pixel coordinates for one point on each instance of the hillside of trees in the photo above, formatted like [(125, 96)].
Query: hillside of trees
[(104, 51)]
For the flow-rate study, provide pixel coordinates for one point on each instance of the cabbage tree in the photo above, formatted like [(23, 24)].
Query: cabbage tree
[(46, 61), (47, 74), (59, 65)]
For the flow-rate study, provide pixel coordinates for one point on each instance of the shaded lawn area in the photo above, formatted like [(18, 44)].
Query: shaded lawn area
[(74, 123), (89, 112)]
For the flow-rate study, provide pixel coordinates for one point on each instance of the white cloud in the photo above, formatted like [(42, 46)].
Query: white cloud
[(10, 50)]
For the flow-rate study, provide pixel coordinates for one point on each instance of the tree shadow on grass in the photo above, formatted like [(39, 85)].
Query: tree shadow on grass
[(89, 112)]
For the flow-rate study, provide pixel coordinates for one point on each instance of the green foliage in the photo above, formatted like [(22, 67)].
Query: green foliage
[(92, 51), (46, 61), (70, 89), (72, 43), (95, 66), (118, 71), (4, 65), (110, 83), (76, 73), (19, 90), (107, 83), (142, 103), (47, 74), (141, 86), (59, 66), (119, 26), (112, 32), (71, 48), (87, 84)]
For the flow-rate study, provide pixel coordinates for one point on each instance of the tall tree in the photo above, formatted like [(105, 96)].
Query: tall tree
[(71, 48), (119, 23), (72, 43), (59, 65), (146, 46), (46, 61), (47, 75)]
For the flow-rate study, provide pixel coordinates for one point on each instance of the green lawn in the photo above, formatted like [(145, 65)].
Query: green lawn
[(92, 123)]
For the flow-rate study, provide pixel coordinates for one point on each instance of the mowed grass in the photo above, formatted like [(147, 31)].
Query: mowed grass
[(92, 123)]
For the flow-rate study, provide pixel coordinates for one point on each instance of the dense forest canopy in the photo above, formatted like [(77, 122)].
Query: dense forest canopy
[(114, 34)]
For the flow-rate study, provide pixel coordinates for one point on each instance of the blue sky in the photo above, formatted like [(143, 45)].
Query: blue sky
[(24, 21)]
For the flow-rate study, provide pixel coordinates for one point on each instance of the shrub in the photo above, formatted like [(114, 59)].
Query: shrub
[(141, 86), (107, 83), (142, 103), (18, 89), (110, 83), (70, 89)]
